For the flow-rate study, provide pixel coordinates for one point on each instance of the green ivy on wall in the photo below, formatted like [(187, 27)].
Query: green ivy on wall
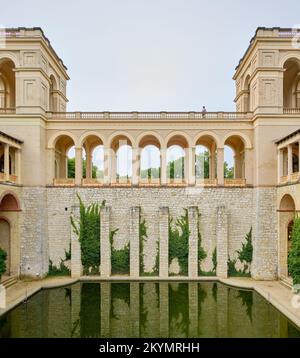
[(245, 256), (120, 259), (294, 254), (63, 269), (179, 242), (143, 236), (202, 255), (3, 257), (88, 232)]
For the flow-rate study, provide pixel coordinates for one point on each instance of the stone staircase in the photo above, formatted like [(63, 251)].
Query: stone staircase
[(286, 282), (8, 281)]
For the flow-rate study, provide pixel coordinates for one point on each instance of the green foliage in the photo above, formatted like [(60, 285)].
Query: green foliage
[(201, 252), (150, 173), (228, 171), (62, 270), (175, 168), (120, 259), (233, 272), (71, 169), (247, 300), (179, 242), (3, 257), (214, 260), (202, 165), (294, 255), (88, 232), (245, 255), (143, 236)]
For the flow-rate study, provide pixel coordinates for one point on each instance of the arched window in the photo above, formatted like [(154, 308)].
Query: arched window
[(53, 107), (7, 84), (64, 158), (150, 163), (291, 84), (247, 95), (234, 158)]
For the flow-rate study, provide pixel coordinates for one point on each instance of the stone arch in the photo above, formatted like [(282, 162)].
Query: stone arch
[(291, 83), (120, 135), (95, 134), (178, 138), (287, 210), (11, 57), (9, 202), (55, 137), (7, 83), (150, 137), (288, 56), (208, 134), (5, 241), (244, 137)]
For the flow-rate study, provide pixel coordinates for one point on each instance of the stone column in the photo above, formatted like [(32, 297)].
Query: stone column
[(193, 310), (135, 166), (248, 166), (105, 309), (18, 166), (191, 166), (76, 266), (193, 216), (290, 160), (222, 242), (113, 167), (164, 309), (135, 309), (220, 164), (187, 160), (89, 164), (134, 232), (6, 162), (212, 164), (163, 166), (78, 166), (164, 242), (105, 247), (107, 170), (50, 165), (279, 164)]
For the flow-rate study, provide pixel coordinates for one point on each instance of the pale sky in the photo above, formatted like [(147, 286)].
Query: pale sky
[(150, 55)]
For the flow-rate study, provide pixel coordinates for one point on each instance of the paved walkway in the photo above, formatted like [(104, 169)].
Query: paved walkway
[(274, 292)]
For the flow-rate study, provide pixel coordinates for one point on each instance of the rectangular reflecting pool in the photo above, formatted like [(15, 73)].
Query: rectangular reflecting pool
[(146, 310)]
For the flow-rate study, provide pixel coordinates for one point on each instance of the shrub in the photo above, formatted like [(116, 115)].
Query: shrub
[(294, 255), (3, 257), (120, 259), (62, 270)]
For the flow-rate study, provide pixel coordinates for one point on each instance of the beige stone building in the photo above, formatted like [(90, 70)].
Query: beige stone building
[(36, 134)]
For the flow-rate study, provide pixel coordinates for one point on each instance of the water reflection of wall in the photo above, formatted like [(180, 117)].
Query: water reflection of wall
[(146, 310)]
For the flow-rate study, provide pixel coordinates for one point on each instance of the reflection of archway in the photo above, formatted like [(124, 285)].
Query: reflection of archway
[(287, 211), (5, 241)]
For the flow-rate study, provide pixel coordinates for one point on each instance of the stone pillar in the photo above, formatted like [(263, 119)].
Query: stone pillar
[(248, 166), (107, 169), (163, 166), (192, 166), (220, 164), (164, 309), (78, 166), (18, 165), (222, 242), (50, 165), (105, 247), (134, 232), (193, 216), (164, 242), (6, 162), (280, 164), (113, 167), (187, 160), (212, 164), (193, 310), (76, 266), (89, 164), (135, 166), (105, 309), (135, 309), (290, 160)]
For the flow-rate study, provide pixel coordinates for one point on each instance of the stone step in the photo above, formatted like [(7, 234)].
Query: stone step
[(9, 281), (286, 282)]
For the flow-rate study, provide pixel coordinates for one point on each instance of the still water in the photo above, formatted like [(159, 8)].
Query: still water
[(148, 310)]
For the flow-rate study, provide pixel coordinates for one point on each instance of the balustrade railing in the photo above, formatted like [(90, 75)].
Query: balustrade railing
[(235, 182), (291, 111), (7, 110)]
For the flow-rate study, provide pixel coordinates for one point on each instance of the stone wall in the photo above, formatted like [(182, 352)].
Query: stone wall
[(46, 229)]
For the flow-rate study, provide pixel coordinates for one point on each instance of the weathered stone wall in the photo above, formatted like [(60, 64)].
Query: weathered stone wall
[(46, 229)]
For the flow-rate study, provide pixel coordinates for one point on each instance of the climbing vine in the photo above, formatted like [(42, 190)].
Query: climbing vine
[(88, 232), (201, 252), (294, 255), (63, 269), (245, 256), (179, 242), (120, 259), (3, 257), (143, 236)]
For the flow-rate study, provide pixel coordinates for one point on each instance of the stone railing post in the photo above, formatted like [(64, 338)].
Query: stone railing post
[(76, 266), (105, 247), (164, 242), (134, 242), (222, 242), (193, 215)]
